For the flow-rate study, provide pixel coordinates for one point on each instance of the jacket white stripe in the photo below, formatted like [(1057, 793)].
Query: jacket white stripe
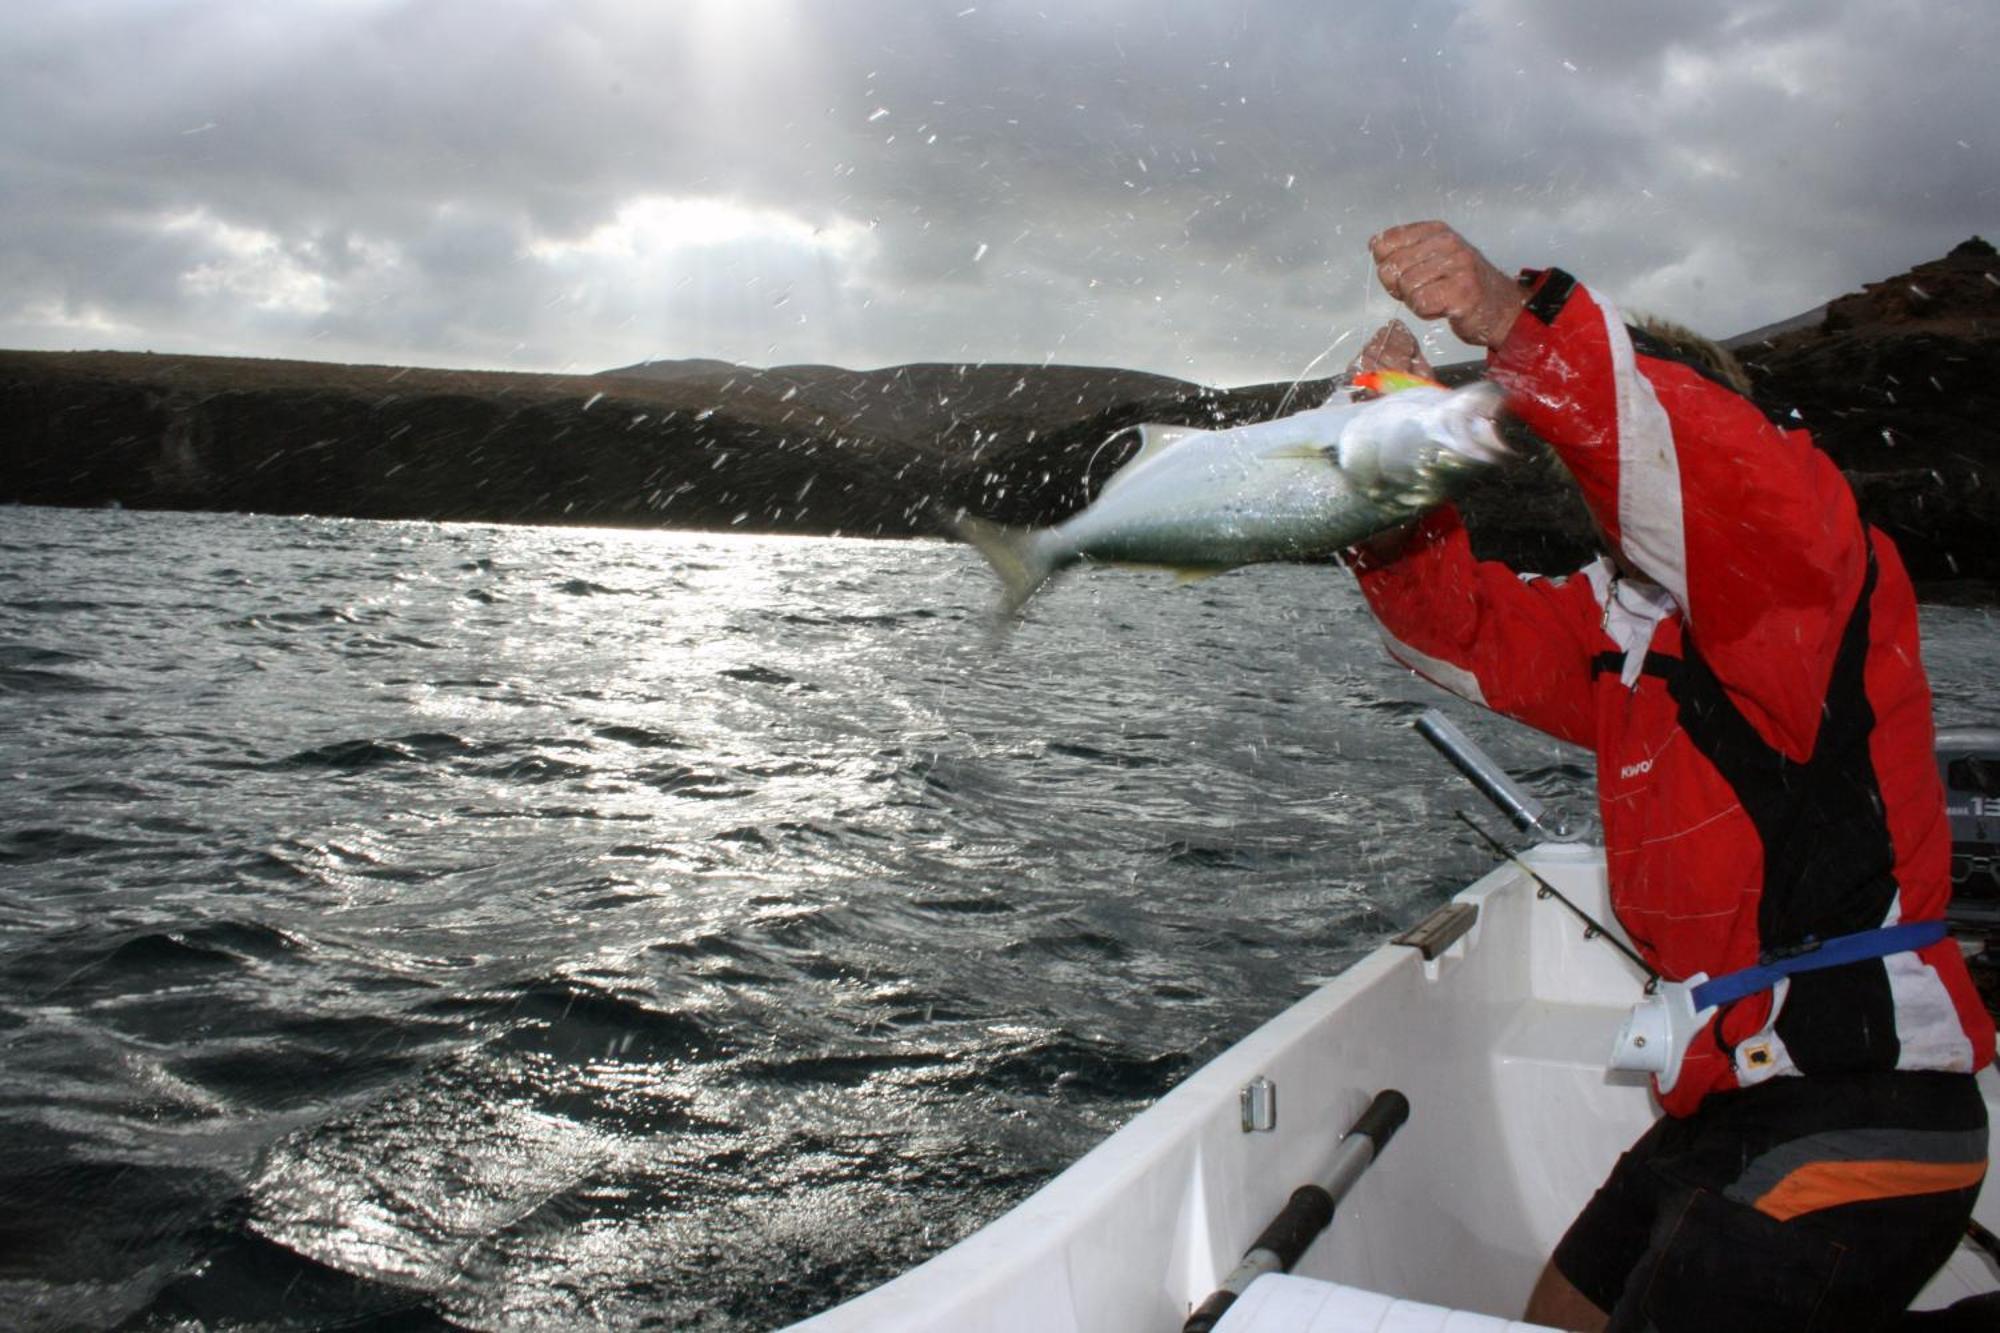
[(1929, 1032), (1436, 670), (1927, 1025), (1649, 473)]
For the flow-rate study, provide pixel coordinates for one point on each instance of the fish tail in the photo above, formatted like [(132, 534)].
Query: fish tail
[(1022, 557)]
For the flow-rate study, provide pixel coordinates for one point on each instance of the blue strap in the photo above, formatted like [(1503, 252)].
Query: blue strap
[(1841, 949)]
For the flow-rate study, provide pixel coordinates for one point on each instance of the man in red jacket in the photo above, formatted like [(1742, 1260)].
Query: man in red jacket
[(1743, 661)]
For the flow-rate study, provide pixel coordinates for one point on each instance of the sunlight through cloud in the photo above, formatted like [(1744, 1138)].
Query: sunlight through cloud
[(660, 225)]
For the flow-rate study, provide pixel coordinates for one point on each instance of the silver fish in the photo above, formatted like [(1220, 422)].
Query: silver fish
[(1199, 502)]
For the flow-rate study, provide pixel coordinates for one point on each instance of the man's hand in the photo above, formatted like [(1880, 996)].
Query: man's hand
[(1439, 275), (1393, 347)]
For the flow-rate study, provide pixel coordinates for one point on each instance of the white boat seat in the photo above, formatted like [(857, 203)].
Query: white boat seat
[(1283, 1303)]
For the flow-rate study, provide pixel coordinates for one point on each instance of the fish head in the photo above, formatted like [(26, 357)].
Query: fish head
[(1410, 446)]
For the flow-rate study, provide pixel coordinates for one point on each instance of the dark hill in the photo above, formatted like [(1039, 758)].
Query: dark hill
[(169, 432), (689, 368), (927, 405), (703, 444), (1900, 383)]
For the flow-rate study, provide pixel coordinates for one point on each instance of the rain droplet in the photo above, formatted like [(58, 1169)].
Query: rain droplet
[(877, 114), (980, 253)]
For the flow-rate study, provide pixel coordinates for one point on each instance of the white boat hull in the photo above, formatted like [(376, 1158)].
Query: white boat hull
[(1499, 1044)]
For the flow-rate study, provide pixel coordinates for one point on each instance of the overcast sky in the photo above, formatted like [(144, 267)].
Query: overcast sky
[(1163, 184)]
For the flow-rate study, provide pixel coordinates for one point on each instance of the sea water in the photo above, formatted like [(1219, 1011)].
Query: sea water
[(517, 927)]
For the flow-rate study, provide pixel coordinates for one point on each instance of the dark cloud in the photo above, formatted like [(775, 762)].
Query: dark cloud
[(1178, 186)]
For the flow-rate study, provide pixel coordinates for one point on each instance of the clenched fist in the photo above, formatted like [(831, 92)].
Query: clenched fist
[(1393, 347), (1439, 275)]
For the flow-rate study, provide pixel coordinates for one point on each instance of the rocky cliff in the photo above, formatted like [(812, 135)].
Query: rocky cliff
[(1899, 383)]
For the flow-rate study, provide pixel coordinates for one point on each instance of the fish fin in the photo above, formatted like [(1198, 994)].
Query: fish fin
[(1154, 439), (1017, 555)]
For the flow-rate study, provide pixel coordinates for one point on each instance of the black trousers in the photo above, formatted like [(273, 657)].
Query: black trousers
[(1821, 1203)]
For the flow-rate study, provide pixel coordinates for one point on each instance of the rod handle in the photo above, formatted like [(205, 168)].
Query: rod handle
[(1522, 810)]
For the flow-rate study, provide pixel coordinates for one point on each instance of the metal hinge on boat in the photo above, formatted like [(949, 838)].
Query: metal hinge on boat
[(1440, 930), (1259, 1099)]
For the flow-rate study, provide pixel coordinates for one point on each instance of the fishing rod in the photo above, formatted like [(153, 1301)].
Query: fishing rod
[(1524, 812), (1592, 928)]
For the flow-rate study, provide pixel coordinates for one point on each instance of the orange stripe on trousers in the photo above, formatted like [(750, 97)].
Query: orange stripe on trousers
[(1830, 1184)]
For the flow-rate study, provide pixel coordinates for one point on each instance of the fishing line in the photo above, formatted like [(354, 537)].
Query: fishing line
[(1594, 929), (1286, 401)]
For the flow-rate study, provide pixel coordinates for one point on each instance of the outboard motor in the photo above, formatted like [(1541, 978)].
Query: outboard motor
[(1969, 763)]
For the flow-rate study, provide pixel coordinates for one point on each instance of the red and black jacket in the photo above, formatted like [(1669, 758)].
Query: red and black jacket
[(1760, 716)]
